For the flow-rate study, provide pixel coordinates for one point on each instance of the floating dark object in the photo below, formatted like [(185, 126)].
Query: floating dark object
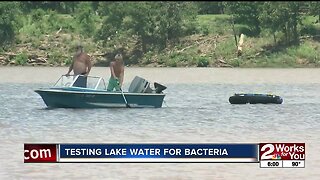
[(255, 99)]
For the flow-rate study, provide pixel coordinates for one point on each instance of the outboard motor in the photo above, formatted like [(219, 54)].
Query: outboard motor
[(159, 87), (140, 85)]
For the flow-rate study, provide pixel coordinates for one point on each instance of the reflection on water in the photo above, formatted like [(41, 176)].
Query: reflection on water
[(197, 111)]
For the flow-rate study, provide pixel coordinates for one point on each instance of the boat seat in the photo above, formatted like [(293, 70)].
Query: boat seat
[(139, 85)]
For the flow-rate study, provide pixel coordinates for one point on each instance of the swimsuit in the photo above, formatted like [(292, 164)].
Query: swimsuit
[(113, 84)]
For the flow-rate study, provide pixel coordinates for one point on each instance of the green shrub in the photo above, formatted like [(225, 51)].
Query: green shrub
[(84, 19), (21, 59), (147, 58), (67, 61), (226, 48), (36, 43), (304, 51), (55, 58), (235, 62), (171, 63), (204, 30), (203, 62), (309, 29), (37, 15), (9, 22), (246, 30), (53, 21)]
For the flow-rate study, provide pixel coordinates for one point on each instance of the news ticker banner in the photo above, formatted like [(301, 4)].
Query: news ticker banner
[(268, 154)]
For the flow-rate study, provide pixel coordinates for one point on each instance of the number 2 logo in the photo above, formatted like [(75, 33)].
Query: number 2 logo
[(267, 154)]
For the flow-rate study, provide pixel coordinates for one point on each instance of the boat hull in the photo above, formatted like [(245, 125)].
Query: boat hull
[(59, 98), (255, 99)]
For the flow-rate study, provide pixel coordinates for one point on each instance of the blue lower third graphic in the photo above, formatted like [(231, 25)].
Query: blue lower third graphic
[(158, 153)]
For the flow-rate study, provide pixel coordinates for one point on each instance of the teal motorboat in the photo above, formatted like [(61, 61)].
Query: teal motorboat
[(90, 92)]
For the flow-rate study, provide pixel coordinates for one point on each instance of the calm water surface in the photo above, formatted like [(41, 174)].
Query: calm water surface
[(196, 110)]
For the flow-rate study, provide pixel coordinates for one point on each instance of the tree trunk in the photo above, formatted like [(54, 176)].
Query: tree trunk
[(286, 34), (234, 33), (239, 50), (294, 28), (295, 33), (144, 45)]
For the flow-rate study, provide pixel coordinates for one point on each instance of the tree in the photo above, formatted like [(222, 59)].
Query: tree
[(282, 16), (315, 9), (246, 13), (84, 18), (178, 16), (154, 23), (211, 7), (68, 6), (8, 21)]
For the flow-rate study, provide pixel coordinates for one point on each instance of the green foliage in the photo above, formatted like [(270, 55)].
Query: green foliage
[(53, 21), (235, 62), (214, 24), (282, 16), (147, 59), (210, 7), (310, 29), (68, 6), (176, 59), (178, 16), (40, 22), (304, 51), (84, 19), (314, 9), (225, 49), (36, 43), (37, 15), (246, 13), (136, 57), (154, 23), (8, 21), (61, 7), (244, 29), (56, 58), (113, 14), (158, 32), (309, 26), (171, 63), (67, 61), (203, 62), (21, 59)]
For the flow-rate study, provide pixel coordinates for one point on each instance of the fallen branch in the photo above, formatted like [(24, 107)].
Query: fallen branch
[(239, 50), (59, 30), (184, 49)]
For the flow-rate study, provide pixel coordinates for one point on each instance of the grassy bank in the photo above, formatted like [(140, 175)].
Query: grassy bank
[(213, 45)]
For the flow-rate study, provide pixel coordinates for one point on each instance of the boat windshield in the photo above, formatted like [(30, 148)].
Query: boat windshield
[(91, 82)]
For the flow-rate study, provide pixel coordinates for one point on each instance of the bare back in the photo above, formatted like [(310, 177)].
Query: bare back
[(81, 63)]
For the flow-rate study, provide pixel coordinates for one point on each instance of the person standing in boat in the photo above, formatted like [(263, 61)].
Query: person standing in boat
[(117, 73), (81, 65)]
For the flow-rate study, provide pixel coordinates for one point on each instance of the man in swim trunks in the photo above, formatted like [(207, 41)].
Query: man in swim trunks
[(117, 73), (81, 65)]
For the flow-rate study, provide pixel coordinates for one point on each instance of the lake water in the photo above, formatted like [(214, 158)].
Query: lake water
[(196, 110)]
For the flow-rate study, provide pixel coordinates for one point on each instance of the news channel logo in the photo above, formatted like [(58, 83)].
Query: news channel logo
[(282, 151)]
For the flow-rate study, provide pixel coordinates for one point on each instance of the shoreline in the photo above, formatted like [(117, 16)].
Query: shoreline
[(270, 66)]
